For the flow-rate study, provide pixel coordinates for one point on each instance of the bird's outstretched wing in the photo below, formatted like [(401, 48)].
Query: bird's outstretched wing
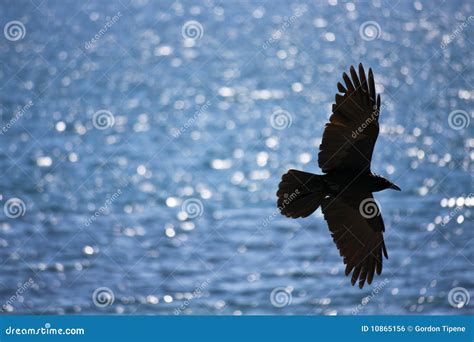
[(350, 135), (357, 228)]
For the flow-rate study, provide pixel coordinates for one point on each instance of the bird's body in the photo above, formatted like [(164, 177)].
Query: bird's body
[(345, 181), (344, 192)]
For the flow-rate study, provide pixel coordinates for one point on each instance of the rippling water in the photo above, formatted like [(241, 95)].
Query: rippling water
[(140, 162)]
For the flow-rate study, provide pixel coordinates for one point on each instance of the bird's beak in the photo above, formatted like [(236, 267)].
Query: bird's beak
[(394, 187)]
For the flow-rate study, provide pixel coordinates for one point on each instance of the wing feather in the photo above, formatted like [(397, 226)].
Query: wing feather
[(357, 233), (350, 135)]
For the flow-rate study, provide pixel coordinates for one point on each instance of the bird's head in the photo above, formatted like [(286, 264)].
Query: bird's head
[(380, 183)]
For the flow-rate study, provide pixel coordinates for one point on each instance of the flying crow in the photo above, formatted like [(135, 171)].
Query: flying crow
[(345, 190)]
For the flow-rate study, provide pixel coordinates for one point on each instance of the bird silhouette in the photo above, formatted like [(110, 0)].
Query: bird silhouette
[(345, 190)]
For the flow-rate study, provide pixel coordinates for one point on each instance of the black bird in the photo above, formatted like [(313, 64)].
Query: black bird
[(345, 190)]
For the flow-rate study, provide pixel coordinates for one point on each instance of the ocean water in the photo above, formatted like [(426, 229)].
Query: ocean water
[(142, 143)]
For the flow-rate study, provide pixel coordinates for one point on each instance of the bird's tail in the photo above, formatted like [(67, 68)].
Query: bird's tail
[(300, 193)]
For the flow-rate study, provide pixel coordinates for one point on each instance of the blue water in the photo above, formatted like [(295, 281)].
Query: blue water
[(103, 208)]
